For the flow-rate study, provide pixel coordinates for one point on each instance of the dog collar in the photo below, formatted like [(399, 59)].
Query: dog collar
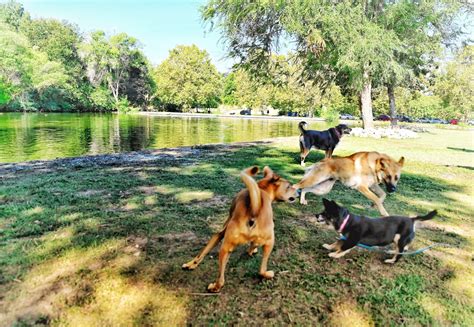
[(344, 223)]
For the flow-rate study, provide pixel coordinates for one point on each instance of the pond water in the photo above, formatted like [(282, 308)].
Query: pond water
[(32, 136)]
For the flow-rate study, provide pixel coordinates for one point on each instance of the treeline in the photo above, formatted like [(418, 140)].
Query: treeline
[(49, 65)]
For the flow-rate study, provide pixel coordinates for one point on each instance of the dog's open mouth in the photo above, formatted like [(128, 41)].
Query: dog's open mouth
[(320, 218)]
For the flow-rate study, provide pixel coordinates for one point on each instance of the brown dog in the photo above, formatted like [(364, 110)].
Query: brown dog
[(363, 171), (250, 221)]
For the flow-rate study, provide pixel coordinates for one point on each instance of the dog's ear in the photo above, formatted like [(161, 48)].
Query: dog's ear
[(401, 161), (326, 202), (252, 170), (381, 164), (275, 178), (267, 172)]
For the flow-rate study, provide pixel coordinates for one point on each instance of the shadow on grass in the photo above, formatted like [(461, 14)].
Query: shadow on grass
[(82, 239), (461, 149)]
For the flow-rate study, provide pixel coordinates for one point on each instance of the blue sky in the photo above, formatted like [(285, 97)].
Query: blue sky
[(160, 25)]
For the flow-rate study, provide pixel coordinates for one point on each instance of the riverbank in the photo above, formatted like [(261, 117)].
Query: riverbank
[(201, 115), (100, 240)]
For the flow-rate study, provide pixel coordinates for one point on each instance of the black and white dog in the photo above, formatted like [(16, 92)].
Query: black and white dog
[(368, 231), (323, 140)]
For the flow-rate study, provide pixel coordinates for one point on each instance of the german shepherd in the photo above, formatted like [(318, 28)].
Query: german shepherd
[(250, 221), (324, 140), (373, 232), (363, 171)]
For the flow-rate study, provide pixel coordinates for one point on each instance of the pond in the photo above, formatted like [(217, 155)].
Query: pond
[(33, 136)]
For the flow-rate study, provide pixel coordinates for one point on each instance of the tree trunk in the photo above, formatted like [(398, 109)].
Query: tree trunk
[(365, 102), (393, 108)]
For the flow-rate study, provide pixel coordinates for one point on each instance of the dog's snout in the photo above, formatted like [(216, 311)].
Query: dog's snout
[(391, 188), (291, 199)]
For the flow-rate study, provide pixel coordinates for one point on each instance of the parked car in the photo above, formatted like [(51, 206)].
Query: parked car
[(383, 118), (347, 117), (438, 121), (405, 119), (424, 120), (470, 122), (453, 121)]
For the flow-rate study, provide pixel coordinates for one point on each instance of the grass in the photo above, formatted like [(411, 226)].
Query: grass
[(104, 245)]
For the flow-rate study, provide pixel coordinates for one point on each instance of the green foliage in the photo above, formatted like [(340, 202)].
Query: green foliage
[(455, 85), (5, 93), (188, 79), (101, 99)]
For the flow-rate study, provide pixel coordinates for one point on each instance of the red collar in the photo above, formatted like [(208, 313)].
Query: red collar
[(344, 223)]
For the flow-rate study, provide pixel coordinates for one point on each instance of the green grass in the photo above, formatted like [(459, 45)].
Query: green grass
[(104, 245)]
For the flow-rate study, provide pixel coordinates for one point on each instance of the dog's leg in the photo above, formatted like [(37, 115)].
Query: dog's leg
[(224, 254), (401, 245), (380, 193), (336, 245), (352, 239), (302, 197), (371, 196), (267, 249), (252, 249), (329, 153), (319, 189), (215, 239), (303, 154), (339, 254)]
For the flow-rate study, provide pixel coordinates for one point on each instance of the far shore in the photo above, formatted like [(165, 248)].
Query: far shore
[(204, 115)]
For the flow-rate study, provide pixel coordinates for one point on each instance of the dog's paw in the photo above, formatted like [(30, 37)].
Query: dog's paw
[(269, 274), (191, 265), (327, 246), (303, 202), (334, 255), (214, 288), (390, 261), (303, 164), (251, 253)]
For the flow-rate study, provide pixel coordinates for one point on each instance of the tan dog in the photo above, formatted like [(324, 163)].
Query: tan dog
[(363, 171), (250, 221)]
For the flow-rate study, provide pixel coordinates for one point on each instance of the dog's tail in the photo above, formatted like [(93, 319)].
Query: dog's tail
[(301, 126), (252, 186), (426, 217)]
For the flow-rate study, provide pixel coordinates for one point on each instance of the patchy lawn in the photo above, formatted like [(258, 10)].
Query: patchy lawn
[(85, 243)]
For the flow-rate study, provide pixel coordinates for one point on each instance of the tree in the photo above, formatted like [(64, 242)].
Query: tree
[(187, 79), (423, 28), (12, 13), (455, 84), (334, 40), (28, 73), (115, 62), (59, 40)]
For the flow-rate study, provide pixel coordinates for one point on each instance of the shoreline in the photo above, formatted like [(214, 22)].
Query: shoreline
[(184, 154), (200, 115)]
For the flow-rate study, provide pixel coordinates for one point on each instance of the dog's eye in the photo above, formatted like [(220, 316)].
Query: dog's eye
[(389, 177), (396, 178)]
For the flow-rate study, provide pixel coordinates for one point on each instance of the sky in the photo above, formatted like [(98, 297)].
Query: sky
[(159, 25)]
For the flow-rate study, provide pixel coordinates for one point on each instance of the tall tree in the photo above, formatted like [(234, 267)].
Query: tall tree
[(345, 38), (422, 27), (187, 79), (455, 84), (110, 60)]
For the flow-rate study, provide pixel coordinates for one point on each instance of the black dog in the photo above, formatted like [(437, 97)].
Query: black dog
[(323, 140), (369, 231)]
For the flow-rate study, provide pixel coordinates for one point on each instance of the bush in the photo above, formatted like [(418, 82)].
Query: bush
[(101, 99)]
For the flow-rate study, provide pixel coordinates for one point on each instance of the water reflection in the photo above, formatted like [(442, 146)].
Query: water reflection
[(47, 136)]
